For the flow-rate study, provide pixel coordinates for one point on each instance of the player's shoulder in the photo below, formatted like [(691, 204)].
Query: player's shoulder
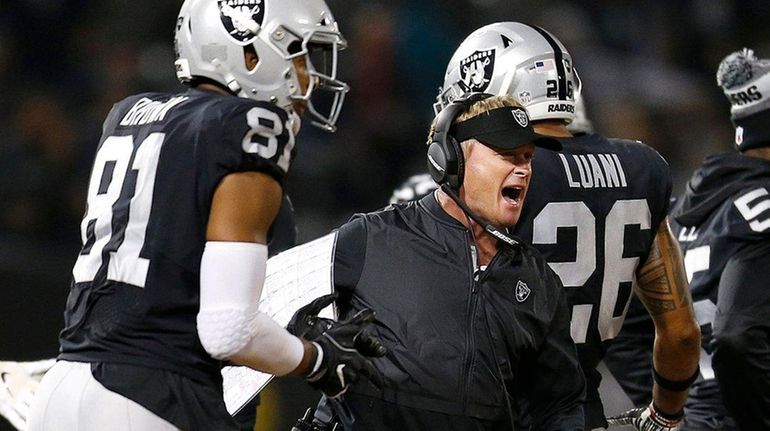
[(641, 161), (224, 109), (242, 134), (144, 108), (638, 150), (632, 152)]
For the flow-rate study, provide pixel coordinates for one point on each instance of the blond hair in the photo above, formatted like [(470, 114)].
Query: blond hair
[(487, 104)]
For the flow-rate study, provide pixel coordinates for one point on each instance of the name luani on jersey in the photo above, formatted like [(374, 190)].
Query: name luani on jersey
[(591, 171), (147, 111)]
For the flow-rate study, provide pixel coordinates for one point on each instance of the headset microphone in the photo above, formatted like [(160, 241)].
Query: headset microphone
[(487, 226)]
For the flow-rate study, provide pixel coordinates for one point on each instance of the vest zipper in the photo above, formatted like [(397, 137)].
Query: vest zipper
[(470, 313)]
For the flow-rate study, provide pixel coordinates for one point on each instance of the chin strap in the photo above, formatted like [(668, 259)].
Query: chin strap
[(232, 83), (296, 122)]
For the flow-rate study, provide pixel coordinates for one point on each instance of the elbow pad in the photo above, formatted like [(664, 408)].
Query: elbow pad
[(224, 333), (229, 322)]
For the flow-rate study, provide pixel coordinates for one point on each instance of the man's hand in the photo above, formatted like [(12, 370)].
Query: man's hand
[(306, 324), (344, 348), (648, 419)]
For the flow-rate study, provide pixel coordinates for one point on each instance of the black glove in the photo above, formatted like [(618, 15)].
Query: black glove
[(306, 324), (648, 419), (345, 347)]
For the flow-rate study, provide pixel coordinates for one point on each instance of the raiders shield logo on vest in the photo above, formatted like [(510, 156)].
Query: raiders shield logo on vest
[(522, 291)]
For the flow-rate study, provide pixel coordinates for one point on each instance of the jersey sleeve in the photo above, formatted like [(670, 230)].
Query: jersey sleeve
[(242, 135), (662, 182)]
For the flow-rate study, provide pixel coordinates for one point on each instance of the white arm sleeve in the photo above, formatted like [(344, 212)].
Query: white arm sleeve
[(230, 326)]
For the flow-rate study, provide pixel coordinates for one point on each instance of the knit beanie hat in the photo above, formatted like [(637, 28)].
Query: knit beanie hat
[(745, 80)]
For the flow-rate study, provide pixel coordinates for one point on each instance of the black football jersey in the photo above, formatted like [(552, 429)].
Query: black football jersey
[(593, 210), (135, 290), (725, 211)]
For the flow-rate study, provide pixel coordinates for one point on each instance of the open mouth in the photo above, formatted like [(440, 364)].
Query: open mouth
[(512, 193)]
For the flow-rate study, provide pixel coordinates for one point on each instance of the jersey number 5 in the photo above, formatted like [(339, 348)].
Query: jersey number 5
[(119, 195), (617, 269)]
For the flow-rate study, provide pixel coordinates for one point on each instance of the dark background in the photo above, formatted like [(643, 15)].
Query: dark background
[(648, 71)]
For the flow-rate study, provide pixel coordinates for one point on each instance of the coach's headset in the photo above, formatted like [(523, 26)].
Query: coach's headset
[(446, 162)]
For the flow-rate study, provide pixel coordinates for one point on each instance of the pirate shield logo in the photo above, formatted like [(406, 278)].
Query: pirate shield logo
[(520, 116), (476, 69), (241, 18), (522, 291)]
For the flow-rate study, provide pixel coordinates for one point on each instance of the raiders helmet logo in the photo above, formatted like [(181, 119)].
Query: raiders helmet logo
[(241, 18), (522, 291), (521, 118), (476, 70)]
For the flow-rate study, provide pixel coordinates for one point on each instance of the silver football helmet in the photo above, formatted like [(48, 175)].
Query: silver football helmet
[(521, 60), (211, 36)]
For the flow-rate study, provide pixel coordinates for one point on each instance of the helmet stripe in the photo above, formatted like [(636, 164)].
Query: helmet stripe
[(558, 59)]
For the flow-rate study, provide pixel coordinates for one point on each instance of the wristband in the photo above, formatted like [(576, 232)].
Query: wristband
[(674, 385), (318, 358), (670, 420)]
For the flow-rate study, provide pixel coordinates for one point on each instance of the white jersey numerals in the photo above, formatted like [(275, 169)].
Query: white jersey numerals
[(262, 138), (754, 207), (121, 185), (696, 260), (617, 269)]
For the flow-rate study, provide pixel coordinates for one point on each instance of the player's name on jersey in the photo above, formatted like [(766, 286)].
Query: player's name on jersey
[(591, 171), (147, 111)]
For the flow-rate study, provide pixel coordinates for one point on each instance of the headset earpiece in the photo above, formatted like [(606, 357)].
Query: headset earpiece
[(446, 162)]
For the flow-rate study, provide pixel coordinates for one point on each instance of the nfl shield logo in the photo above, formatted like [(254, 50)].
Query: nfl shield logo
[(476, 69), (522, 291), (525, 97), (237, 15)]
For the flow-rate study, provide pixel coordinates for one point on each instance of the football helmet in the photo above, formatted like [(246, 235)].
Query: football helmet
[(414, 188), (581, 124), (516, 59), (211, 36)]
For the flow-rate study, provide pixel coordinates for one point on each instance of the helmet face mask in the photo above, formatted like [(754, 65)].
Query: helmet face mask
[(211, 36), (523, 61), (320, 50)]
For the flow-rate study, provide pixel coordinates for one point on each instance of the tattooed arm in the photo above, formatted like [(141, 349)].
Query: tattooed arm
[(663, 289)]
